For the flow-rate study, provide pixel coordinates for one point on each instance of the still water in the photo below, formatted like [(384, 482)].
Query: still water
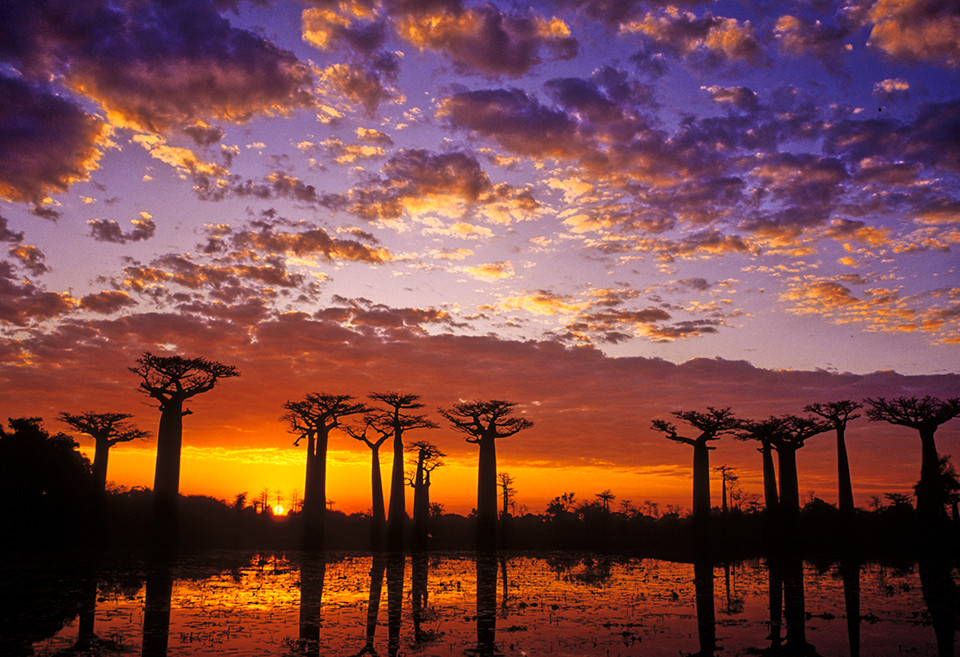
[(454, 604)]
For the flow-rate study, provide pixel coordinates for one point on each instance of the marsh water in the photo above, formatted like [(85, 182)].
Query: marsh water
[(288, 603)]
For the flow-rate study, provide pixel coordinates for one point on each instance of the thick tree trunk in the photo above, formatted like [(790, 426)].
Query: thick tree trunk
[(770, 499), (398, 501), (701, 481), (789, 485), (166, 481), (928, 495), (419, 517), (379, 520), (100, 458), (315, 513), (701, 496), (843, 475), (487, 495)]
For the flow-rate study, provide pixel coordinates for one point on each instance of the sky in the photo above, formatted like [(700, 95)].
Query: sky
[(601, 211)]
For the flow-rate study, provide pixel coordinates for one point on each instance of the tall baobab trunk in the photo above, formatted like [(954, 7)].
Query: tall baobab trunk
[(379, 520), (701, 491), (789, 486), (100, 458), (398, 501), (928, 488), (487, 495), (419, 515), (166, 481), (315, 513), (845, 488), (770, 498)]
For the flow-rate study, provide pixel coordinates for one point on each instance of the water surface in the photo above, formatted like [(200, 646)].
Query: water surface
[(454, 604)]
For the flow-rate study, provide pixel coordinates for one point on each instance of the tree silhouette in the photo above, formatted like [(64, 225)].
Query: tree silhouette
[(505, 482), (839, 413), (605, 498), (762, 431), (790, 434), (107, 429), (925, 415), (44, 484), (712, 424), (726, 475), (485, 422), (429, 458), (313, 418), (172, 380), (397, 421), (378, 510)]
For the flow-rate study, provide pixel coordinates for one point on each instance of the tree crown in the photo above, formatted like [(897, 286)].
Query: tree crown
[(485, 420), (166, 378), (319, 412), (918, 413), (111, 427), (839, 412), (712, 424)]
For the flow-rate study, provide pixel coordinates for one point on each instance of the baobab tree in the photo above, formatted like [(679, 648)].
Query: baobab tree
[(839, 413), (727, 474), (429, 458), (395, 419), (172, 380), (789, 434), (762, 431), (925, 415), (712, 425), (485, 422), (605, 498), (313, 418), (505, 482), (377, 507), (107, 429)]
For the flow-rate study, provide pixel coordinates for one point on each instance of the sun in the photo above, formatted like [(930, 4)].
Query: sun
[(279, 510)]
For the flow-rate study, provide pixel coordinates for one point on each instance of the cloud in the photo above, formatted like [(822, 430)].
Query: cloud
[(879, 308), (31, 258), (327, 29), (263, 238), (916, 30), (367, 85), (23, 303), (487, 40), (156, 66), (713, 40), (891, 88), (416, 181), (108, 230), (491, 271), (825, 39), (106, 302), (47, 143)]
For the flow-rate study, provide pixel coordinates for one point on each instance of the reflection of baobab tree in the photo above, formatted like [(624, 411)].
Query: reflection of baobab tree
[(485, 422), (850, 573), (396, 419), (419, 580), (377, 568), (486, 605), (313, 570), (940, 596), (156, 610), (313, 418), (396, 565), (172, 380), (706, 615)]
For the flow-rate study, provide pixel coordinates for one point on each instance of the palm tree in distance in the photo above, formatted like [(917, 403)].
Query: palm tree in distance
[(839, 413), (313, 418), (712, 425), (172, 380), (925, 415), (107, 429), (485, 422), (395, 419)]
